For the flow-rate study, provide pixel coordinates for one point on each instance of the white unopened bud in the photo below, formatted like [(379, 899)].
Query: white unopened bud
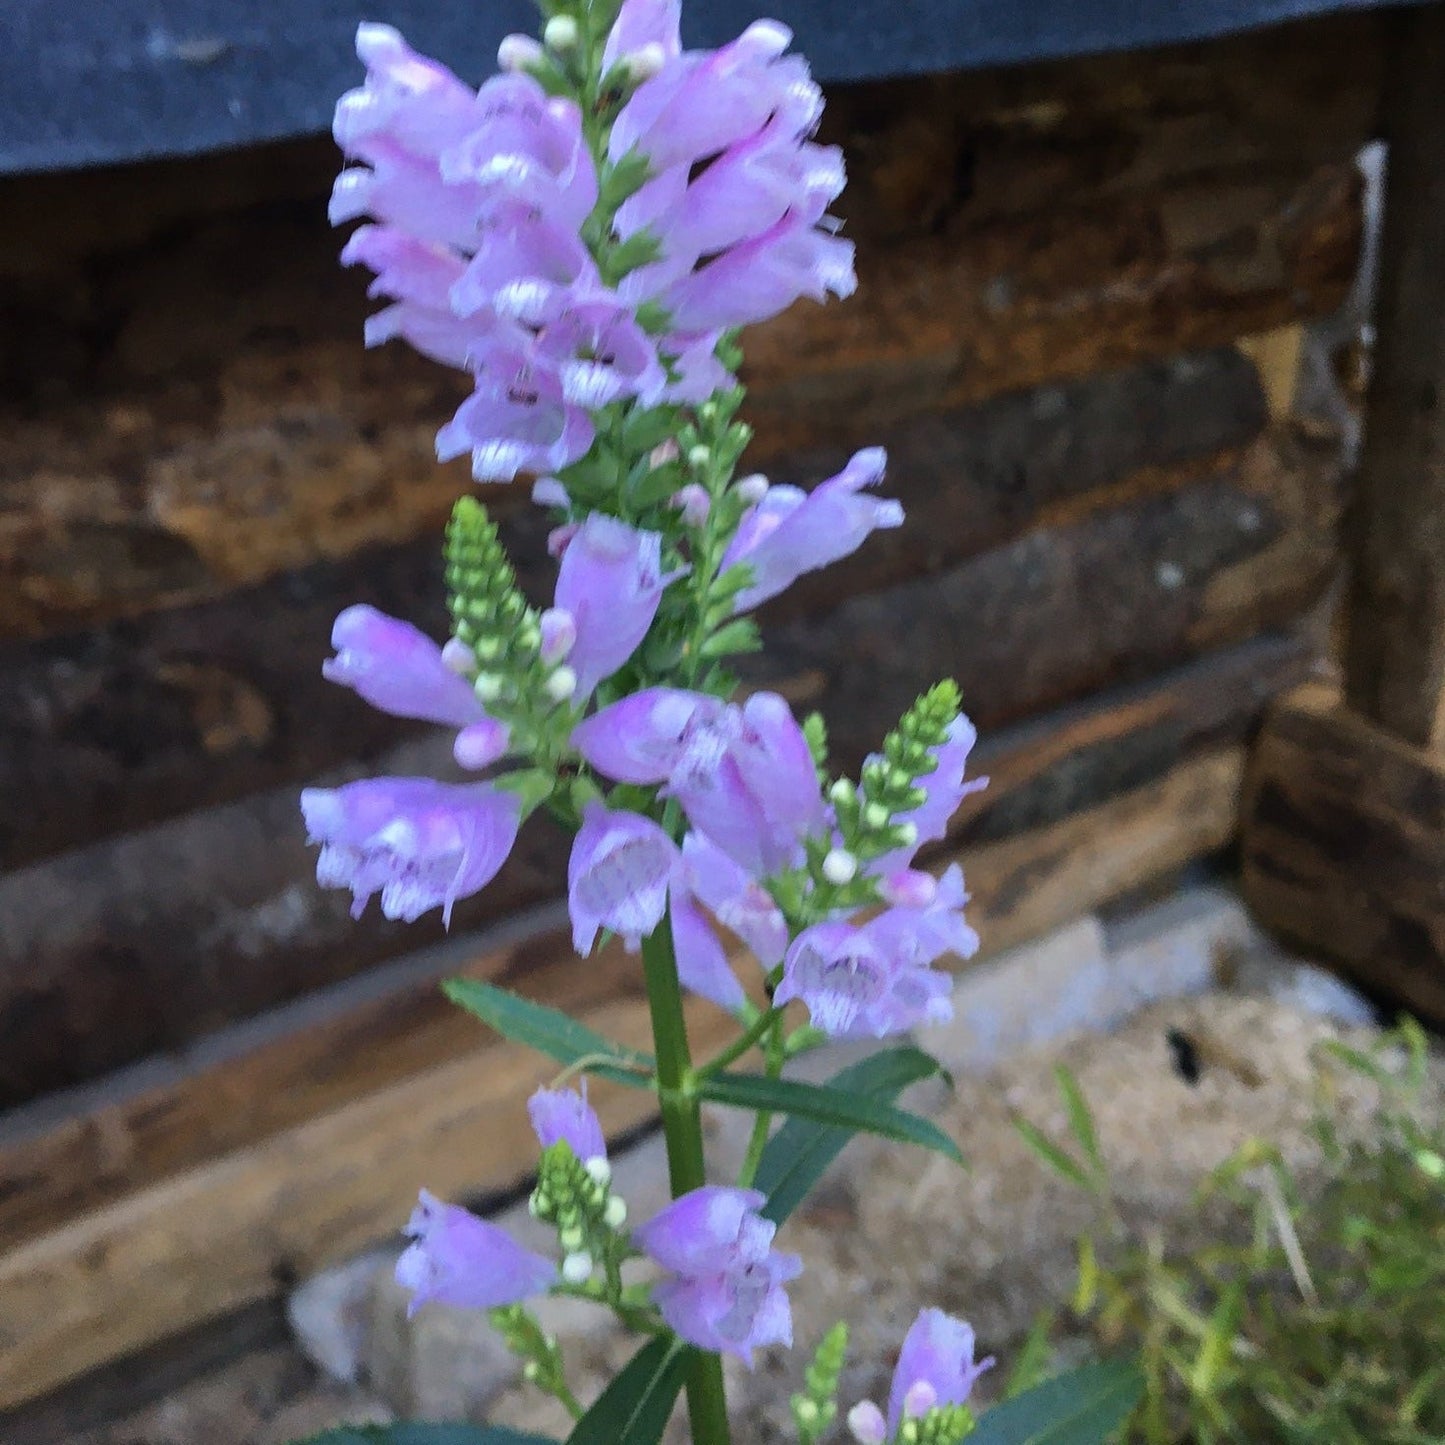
[(479, 745), (614, 1213), (866, 1423), (561, 34), (694, 504), (919, 1399), (843, 791), (698, 457), (752, 489), (840, 867), (488, 686), (876, 815), (517, 52), (644, 62), (457, 657), (577, 1267), (562, 684), (557, 633), (599, 1171), (907, 834)]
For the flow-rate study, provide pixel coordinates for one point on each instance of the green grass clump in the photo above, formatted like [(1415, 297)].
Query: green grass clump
[(1318, 1315)]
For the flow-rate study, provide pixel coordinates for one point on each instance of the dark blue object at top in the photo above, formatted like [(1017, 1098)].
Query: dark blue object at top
[(85, 82)]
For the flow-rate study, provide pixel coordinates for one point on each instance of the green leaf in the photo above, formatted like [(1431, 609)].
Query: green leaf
[(549, 1031), (796, 1156), (1081, 1119), (636, 1406), (825, 1104), (1059, 1160), (1083, 1407), (422, 1434)]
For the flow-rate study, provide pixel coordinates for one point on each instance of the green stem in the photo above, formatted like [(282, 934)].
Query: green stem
[(740, 1045), (682, 1129), (775, 1055)]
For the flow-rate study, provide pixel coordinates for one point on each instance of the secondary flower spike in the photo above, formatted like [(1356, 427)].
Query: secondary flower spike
[(419, 843), (457, 1259), (726, 1290)]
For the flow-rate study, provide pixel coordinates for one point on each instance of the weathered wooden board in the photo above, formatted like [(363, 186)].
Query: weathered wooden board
[(952, 318), (1068, 609), (1343, 846), (225, 1234), (62, 1157), (143, 719), (1109, 597), (185, 407), (1395, 655)]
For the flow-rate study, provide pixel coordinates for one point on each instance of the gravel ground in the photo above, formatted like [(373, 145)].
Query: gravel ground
[(891, 1230)]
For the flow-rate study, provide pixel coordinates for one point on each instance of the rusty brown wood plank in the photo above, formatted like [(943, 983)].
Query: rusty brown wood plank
[(63, 1157), (1343, 846), (198, 1245), (117, 727), (1395, 654)]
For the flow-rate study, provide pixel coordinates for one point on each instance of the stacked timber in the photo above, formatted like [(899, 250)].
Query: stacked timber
[(1116, 537)]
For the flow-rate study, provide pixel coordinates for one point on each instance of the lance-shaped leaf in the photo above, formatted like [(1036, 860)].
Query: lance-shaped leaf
[(1083, 1407), (550, 1032), (796, 1156), (824, 1104), (636, 1406)]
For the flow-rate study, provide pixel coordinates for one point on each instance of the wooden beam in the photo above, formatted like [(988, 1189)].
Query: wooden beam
[(176, 931), (1111, 596), (1395, 658), (230, 1232), (1343, 846), (66, 1155), (194, 706), (185, 407)]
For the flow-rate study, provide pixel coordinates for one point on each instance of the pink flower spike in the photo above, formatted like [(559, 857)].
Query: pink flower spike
[(936, 1363), (618, 877), (726, 1287), (565, 1114), (611, 581), (457, 1259), (397, 668)]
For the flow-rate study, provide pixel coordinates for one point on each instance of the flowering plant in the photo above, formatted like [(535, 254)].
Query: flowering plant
[(585, 235)]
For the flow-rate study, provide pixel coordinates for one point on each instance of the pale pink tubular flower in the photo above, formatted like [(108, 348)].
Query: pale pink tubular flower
[(565, 1114), (397, 668), (790, 531), (419, 843), (457, 1259), (642, 23), (611, 583), (935, 1366), (621, 868), (725, 1286)]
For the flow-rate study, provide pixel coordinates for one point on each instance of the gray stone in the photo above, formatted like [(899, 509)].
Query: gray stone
[(330, 1313)]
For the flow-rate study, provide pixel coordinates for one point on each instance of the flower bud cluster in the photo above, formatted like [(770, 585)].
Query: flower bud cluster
[(815, 1406), (576, 1196), (490, 617)]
